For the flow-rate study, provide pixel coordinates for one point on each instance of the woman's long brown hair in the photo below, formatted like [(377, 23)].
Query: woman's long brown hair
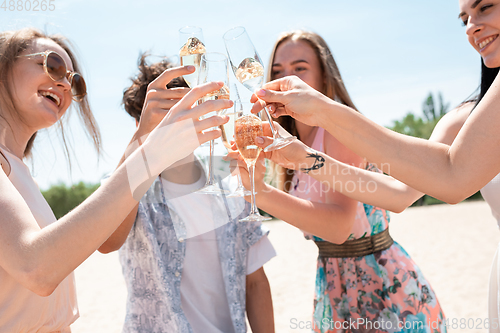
[(333, 88)]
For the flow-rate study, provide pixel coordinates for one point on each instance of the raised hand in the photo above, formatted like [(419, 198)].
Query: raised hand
[(292, 156), (159, 99), (181, 131), (291, 96), (184, 110)]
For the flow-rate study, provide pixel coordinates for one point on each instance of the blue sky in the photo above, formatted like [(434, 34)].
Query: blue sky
[(391, 54)]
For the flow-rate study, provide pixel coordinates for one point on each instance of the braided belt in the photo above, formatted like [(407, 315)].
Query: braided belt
[(356, 247)]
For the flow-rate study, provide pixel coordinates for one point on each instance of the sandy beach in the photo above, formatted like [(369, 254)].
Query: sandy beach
[(453, 246)]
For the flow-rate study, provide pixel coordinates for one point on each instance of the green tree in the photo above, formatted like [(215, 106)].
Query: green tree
[(422, 127), (429, 109), (63, 199), (411, 125)]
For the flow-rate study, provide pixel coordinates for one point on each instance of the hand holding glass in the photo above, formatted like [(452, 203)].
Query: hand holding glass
[(248, 69), (227, 135), (213, 67), (247, 127)]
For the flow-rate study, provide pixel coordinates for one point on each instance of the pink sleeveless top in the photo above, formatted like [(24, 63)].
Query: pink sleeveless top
[(305, 187), (21, 310)]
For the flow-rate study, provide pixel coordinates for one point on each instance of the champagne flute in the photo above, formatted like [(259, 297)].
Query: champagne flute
[(247, 127), (227, 130), (213, 67), (192, 48), (248, 69), (227, 134)]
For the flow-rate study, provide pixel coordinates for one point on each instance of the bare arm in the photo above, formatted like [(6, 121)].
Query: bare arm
[(116, 240), (157, 103), (379, 189), (373, 188), (331, 220), (41, 258), (449, 173), (259, 303)]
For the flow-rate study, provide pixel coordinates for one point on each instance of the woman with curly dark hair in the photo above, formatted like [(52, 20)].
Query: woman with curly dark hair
[(175, 236)]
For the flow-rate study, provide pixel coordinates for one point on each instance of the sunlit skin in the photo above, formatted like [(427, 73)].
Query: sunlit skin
[(466, 166), (297, 57), (333, 218), (481, 19), (37, 251), (34, 110)]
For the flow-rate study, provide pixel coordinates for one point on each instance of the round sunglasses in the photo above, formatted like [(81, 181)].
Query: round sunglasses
[(55, 67)]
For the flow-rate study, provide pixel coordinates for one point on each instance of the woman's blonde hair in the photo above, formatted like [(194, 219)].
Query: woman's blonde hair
[(12, 44), (333, 87)]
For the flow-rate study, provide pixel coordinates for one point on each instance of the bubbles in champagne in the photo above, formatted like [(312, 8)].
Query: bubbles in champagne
[(246, 129), (190, 54), (222, 93), (193, 60), (249, 69), (192, 46)]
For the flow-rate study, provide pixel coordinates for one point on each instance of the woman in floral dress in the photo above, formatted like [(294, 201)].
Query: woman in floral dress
[(359, 287)]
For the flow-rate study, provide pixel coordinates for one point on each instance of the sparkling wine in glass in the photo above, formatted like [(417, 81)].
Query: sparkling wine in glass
[(249, 71), (227, 136), (213, 67), (192, 48), (247, 127)]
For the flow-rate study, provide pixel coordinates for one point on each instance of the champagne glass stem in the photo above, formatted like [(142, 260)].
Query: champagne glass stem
[(240, 183), (240, 191), (251, 170), (210, 164), (270, 120), (279, 141)]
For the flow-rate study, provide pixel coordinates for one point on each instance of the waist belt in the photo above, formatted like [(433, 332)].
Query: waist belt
[(356, 247)]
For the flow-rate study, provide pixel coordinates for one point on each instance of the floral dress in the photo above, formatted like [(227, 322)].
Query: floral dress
[(381, 292)]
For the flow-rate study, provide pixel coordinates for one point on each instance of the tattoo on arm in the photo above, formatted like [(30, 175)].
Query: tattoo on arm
[(319, 162)]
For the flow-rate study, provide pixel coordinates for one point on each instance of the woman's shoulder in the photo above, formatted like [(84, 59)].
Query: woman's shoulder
[(459, 115), (450, 124)]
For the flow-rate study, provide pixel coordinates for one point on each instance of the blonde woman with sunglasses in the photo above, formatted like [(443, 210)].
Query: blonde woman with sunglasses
[(39, 80)]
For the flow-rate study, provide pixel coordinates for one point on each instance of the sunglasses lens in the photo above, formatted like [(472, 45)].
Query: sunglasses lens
[(56, 66), (78, 86)]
